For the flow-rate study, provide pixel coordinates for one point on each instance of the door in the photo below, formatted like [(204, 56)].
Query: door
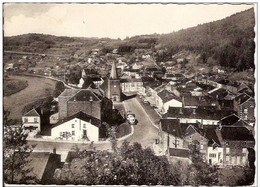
[(210, 161), (84, 132)]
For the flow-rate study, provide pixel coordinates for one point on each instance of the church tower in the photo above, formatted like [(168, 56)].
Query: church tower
[(114, 91)]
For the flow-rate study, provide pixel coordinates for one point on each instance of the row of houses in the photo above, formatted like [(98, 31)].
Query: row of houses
[(222, 141)]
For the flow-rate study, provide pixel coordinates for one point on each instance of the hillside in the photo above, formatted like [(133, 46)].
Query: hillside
[(228, 42)]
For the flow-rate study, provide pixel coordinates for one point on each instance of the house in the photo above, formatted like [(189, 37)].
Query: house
[(190, 101), (236, 142), (32, 121), (170, 134), (137, 66), (166, 99), (79, 126), (196, 115), (90, 101), (43, 165), (157, 74), (131, 85), (244, 105)]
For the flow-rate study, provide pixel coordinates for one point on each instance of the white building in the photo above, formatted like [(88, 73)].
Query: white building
[(32, 121), (79, 126)]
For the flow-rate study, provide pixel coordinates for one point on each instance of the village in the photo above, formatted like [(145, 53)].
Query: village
[(202, 111)]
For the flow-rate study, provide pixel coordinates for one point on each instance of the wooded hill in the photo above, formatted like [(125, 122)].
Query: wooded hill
[(228, 42)]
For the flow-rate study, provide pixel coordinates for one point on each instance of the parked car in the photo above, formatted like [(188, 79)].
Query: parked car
[(131, 118), (146, 101)]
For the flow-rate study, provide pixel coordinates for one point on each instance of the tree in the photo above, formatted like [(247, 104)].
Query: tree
[(200, 173), (59, 88), (16, 154), (130, 164)]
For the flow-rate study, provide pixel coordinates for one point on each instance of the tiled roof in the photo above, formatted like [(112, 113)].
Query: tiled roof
[(32, 112), (69, 92), (236, 134), (198, 113), (85, 95), (233, 121), (242, 98), (191, 100), (171, 126), (82, 116), (166, 96)]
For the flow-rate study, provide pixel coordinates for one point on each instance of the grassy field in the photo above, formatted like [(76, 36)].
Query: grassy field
[(12, 86), (37, 88)]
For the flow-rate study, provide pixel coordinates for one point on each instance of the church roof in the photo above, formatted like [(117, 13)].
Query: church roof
[(113, 74)]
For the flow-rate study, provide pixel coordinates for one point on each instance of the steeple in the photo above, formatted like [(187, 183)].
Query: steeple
[(113, 74)]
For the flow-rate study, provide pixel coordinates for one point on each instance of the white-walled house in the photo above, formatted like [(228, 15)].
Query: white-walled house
[(166, 99), (215, 154), (79, 126), (32, 121)]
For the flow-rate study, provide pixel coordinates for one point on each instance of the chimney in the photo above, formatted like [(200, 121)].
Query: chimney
[(54, 151), (41, 111), (194, 110), (183, 100), (181, 112)]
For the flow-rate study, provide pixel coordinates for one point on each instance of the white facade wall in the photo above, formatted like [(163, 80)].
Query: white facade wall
[(171, 103), (33, 121), (92, 132), (193, 120), (215, 156)]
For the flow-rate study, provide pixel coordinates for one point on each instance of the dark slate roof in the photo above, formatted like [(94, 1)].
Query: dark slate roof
[(165, 95), (104, 86), (85, 95), (32, 112), (171, 126), (69, 92), (184, 153), (152, 84), (236, 134), (210, 133), (233, 120), (130, 80), (83, 116), (198, 113), (191, 100), (242, 98)]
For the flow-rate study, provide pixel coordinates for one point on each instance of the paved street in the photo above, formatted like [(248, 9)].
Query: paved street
[(144, 133)]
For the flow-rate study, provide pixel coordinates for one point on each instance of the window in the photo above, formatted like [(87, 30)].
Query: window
[(201, 138), (190, 137), (227, 150), (35, 120), (84, 125), (244, 150), (61, 133), (72, 125), (227, 159), (212, 155), (201, 146), (25, 119), (73, 133)]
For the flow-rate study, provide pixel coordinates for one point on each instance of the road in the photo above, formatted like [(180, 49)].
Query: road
[(144, 133)]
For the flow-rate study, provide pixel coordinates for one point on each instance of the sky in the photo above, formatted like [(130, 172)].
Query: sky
[(110, 20)]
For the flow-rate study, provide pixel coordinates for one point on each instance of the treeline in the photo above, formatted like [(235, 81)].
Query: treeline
[(230, 42)]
